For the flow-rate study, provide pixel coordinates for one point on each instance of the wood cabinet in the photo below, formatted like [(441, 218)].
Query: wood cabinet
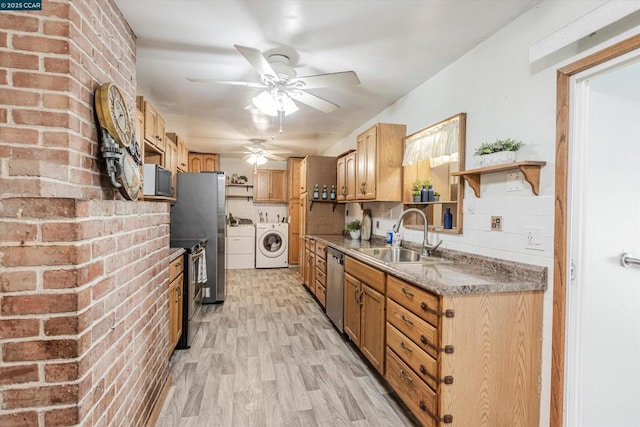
[(301, 235), (319, 217), (346, 188), (154, 125), (203, 162), (182, 152), (320, 265), (303, 175), (269, 185), (443, 352), (176, 268), (364, 310), (379, 163), (308, 271), (171, 163), (293, 207)]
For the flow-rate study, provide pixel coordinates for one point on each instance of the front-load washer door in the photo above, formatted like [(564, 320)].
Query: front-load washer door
[(272, 244)]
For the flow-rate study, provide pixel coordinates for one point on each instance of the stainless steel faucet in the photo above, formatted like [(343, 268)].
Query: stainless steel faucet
[(426, 247)]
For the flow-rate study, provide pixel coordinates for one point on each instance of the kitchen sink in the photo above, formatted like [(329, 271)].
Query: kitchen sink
[(400, 255)]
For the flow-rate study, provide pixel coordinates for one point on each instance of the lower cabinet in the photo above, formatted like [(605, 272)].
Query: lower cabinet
[(176, 268), (364, 310), (321, 272), (309, 276)]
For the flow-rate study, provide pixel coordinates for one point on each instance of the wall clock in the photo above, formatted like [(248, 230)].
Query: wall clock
[(113, 114)]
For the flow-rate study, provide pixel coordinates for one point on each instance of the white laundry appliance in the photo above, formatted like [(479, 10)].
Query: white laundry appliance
[(272, 245), (241, 245)]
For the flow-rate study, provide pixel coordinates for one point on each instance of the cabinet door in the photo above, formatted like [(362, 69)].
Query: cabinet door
[(352, 308), (178, 309), (293, 184), (366, 169), (303, 175), (350, 176), (372, 327), (261, 186), (302, 232), (278, 186), (161, 133), (341, 179), (195, 163), (171, 163), (294, 230), (209, 162), (182, 155), (150, 124)]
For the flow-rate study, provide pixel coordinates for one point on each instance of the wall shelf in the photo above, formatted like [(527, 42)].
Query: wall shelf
[(530, 170), (240, 196), (312, 201)]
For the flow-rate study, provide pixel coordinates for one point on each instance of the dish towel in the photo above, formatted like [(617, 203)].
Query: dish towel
[(201, 275)]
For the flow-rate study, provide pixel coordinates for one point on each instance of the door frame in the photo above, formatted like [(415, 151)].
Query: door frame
[(563, 78)]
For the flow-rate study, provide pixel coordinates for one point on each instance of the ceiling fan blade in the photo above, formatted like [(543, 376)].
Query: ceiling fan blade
[(273, 157), (344, 78), (315, 101), (257, 59), (228, 82)]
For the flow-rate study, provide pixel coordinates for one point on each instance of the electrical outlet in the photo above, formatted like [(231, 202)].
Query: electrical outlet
[(377, 224), (496, 223), (514, 181), (534, 238)]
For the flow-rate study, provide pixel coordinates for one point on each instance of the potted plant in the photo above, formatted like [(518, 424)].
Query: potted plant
[(353, 228), (436, 196), (242, 179), (416, 188), (499, 152)]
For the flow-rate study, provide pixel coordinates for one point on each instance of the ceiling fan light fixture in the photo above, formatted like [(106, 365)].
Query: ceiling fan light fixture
[(256, 159), (265, 103)]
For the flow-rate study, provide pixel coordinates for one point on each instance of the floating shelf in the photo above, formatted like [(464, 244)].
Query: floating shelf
[(238, 196), (449, 202), (312, 201), (530, 170), (240, 185)]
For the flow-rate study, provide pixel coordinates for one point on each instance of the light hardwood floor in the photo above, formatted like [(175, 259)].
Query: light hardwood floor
[(269, 356)]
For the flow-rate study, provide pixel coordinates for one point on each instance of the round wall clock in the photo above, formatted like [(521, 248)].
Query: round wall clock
[(113, 114), (129, 179)]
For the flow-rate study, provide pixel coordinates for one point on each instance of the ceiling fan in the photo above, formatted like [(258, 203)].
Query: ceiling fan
[(282, 86), (257, 153)]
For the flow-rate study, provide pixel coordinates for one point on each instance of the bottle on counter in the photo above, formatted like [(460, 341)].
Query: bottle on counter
[(324, 192), (430, 196), (332, 195), (447, 219), (316, 192), (424, 194)]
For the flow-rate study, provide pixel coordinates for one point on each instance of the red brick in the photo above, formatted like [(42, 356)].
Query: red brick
[(41, 118), (37, 207), (22, 98), (19, 328), (40, 44), (60, 10), (61, 372), (20, 419), (103, 247), (40, 396), (61, 417), (67, 325), (16, 281), (3, 77), (56, 139), (17, 60), (37, 255), (41, 81), (18, 374), (3, 39), (59, 232), (56, 28), (19, 135), (18, 232), (56, 102), (60, 279), (56, 65), (3, 115), (91, 272), (38, 304), (9, 21), (103, 287), (39, 350)]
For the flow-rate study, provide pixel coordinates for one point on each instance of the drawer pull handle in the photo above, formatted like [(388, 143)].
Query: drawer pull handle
[(407, 321), (447, 419), (403, 345), (405, 376), (447, 348), (406, 292), (446, 313), (447, 380)]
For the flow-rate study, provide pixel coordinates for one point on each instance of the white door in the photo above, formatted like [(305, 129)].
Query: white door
[(602, 383)]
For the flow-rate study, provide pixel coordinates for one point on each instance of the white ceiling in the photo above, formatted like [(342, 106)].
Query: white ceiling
[(393, 46)]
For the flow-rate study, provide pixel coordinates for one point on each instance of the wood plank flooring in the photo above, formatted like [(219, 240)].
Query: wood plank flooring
[(268, 357)]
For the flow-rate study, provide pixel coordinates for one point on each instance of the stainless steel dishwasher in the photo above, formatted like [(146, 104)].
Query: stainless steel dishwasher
[(335, 287)]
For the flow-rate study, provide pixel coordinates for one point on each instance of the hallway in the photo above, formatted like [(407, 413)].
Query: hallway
[(269, 357)]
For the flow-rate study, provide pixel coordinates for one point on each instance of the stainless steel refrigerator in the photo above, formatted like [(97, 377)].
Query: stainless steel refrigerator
[(199, 213)]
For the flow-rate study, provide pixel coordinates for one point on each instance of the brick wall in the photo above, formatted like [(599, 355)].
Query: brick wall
[(83, 273)]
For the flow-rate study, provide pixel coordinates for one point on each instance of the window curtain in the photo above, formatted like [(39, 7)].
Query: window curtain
[(437, 143)]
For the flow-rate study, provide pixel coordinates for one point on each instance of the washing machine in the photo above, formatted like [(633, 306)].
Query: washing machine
[(272, 246)]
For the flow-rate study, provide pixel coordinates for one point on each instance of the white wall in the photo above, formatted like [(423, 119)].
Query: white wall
[(504, 96)]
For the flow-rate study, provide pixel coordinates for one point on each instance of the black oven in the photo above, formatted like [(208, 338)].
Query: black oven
[(194, 281)]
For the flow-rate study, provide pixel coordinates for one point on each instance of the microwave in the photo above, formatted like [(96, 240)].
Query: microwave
[(157, 181)]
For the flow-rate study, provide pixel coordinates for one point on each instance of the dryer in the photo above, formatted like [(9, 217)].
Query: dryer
[(272, 245)]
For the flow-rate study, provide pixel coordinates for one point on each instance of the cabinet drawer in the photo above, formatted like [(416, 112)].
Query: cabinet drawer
[(309, 244), (417, 300), (321, 293), (321, 264), (321, 250), (422, 333), (418, 397), (425, 366), (321, 277), (240, 245), (369, 275), (175, 268)]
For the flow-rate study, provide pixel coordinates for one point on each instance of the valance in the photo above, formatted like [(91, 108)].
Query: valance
[(438, 143)]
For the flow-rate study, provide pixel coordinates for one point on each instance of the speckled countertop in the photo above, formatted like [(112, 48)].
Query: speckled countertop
[(466, 274), (175, 253)]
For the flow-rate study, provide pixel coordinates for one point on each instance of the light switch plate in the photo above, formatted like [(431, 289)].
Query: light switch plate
[(496, 223), (534, 238), (514, 181)]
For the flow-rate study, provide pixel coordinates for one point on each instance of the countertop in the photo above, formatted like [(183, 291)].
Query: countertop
[(467, 274), (175, 253)]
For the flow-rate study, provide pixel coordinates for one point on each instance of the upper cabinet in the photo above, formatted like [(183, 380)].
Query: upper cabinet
[(303, 175), (433, 156), (154, 125), (183, 152), (347, 177), (269, 186), (203, 162), (379, 163)]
